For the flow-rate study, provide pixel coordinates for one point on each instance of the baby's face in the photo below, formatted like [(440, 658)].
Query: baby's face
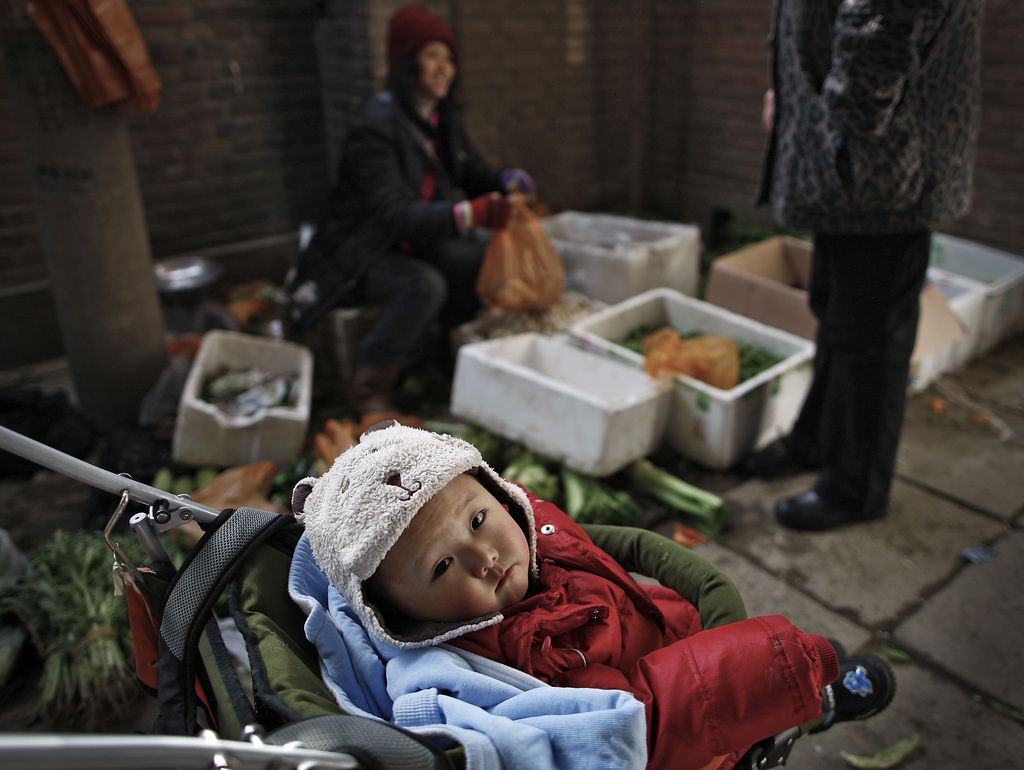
[(462, 556)]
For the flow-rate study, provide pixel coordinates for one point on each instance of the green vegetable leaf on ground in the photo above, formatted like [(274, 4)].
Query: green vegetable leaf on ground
[(1007, 711), (888, 757), (896, 654), (706, 509)]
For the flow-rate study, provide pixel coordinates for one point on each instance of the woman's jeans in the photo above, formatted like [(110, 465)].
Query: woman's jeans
[(864, 292), (413, 290)]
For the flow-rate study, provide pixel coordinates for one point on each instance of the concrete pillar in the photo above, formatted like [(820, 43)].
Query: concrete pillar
[(91, 227)]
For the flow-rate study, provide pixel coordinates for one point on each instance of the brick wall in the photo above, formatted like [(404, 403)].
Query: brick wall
[(996, 216), (625, 106), (235, 151), (710, 71)]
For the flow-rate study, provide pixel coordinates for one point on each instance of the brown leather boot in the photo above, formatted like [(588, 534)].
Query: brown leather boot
[(372, 388)]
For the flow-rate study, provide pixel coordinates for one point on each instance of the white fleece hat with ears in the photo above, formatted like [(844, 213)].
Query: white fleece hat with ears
[(356, 512)]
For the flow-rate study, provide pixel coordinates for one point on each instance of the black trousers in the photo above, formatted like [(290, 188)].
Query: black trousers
[(864, 292), (414, 290)]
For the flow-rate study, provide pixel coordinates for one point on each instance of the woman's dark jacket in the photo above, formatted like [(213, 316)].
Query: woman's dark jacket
[(376, 204), (877, 106)]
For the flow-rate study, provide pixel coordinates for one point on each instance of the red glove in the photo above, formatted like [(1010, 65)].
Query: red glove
[(490, 210)]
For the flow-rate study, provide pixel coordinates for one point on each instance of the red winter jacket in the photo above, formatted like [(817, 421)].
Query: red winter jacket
[(710, 695)]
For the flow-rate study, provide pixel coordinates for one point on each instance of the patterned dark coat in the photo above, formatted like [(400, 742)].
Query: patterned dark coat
[(877, 107), (377, 204)]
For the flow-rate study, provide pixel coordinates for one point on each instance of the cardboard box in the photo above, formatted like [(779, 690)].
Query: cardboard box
[(768, 281), (967, 300), (594, 415), (711, 426), (999, 273), (611, 258), (205, 435)]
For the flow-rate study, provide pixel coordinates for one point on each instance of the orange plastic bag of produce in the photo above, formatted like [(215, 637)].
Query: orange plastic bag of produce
[(714, 360), (521, 269)]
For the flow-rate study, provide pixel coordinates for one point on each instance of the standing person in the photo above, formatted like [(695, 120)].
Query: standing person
[(401, 226), (874, 116)]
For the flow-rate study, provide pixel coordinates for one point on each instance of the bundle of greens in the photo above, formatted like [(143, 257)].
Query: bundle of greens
[(64, 599), (592, 501), (706, 509), (492, 448), (526, 468)]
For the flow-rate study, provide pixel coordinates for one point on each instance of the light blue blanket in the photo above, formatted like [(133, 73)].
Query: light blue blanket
[(501, 716)]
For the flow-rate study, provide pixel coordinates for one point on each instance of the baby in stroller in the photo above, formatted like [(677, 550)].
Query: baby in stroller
[(427, 547)]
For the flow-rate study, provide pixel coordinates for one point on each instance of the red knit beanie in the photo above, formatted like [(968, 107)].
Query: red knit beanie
[(411, 28)]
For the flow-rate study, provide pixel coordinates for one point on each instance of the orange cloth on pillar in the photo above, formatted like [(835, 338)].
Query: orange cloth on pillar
[(102, 50)]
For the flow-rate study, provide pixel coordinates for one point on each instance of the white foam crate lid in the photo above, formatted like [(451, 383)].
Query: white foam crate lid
[(967, 300), (611, 258), (205, 435), (1002, 275), (594, 415), (712, 426)]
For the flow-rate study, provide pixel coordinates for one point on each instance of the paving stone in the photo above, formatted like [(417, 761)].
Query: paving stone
[(956, 730), (874, 573), (764, 594), (952, 453), (985, 644), (996, 378), (956, 452)]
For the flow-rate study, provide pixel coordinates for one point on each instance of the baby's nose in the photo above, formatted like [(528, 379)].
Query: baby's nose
[(485, 561)]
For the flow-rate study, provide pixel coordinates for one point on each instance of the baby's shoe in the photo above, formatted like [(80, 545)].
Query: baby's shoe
[(866, 685)]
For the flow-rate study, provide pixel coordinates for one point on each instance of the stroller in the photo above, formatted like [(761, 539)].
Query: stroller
[(277, 712)]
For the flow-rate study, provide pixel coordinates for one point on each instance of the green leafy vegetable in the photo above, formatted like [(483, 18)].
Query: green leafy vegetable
[(887, 757), (528, 469), (708, 509), (491, 447), (590, 500), (164, 479), (78, 626)]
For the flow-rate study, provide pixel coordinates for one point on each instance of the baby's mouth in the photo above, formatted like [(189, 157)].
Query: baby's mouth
[(503, 579)]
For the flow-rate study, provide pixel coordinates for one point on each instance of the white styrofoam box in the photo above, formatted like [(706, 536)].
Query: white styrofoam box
[(1002, 275), (611, 258), (967, 300), (594, 415), (205, 435), (712, 426)]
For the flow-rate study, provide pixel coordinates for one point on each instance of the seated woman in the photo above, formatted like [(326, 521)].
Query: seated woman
[(401, 227), (415, 549)]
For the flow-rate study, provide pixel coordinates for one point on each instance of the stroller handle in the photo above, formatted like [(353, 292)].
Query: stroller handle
[(106, 752), (87, 473)]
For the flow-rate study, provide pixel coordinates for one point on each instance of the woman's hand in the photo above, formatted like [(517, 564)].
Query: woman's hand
[(768, 110), (517, 180), (491, 210)]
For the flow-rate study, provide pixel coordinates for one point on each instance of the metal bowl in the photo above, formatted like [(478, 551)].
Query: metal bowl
[(186, 273)]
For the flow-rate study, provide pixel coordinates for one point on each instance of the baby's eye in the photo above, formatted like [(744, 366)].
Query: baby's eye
[(478, 519), (442, 566)]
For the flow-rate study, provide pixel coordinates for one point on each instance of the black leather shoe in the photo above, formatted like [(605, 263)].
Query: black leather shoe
[(776, 461), (809, 513)]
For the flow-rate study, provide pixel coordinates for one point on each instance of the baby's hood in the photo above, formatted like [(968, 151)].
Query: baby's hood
[(356, 512)]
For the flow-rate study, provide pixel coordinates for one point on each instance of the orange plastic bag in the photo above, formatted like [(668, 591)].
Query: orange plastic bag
[(521, 269), (714, 360)]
